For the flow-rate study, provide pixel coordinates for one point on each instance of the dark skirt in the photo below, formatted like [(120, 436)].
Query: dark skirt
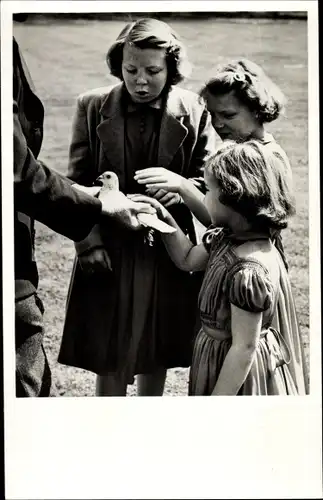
[(141, 316)]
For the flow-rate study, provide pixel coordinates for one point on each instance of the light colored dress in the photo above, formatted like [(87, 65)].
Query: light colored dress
[(278, 367)]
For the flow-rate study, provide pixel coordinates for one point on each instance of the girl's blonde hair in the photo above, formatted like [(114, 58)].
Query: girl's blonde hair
[(255, 180), (154, 34), (251, 86)]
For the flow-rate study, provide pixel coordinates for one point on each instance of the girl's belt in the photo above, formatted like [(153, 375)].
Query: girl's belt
[(278, 350)]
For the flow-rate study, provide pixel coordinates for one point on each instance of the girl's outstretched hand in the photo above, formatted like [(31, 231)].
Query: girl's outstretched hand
[(166, 198), (160, 178), (162, 212)]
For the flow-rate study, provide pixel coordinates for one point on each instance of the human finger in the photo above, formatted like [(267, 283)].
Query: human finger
[(159, 194), (171, 202), (97, 261), (150, 191), (167, 197), (143, 206), (101, 260), (142, 198), (86, 266), (156, 179), (150, 171), (107, 261)]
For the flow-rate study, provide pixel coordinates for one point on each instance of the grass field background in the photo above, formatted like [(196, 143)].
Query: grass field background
[(66, 58)]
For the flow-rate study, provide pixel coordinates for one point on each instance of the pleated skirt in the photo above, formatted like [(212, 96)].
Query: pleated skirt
[(138, 318)]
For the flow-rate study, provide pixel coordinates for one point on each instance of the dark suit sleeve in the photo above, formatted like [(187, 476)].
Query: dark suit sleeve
[(204, 149), (47, 196)]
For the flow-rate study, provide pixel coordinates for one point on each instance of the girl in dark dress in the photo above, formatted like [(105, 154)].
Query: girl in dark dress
[(130, 311)]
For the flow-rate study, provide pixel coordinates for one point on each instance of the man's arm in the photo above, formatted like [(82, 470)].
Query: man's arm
[(49, 197)]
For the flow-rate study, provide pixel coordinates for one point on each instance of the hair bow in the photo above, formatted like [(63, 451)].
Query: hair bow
[(239, 77)]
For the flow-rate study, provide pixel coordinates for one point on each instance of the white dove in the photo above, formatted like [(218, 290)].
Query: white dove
[(109, 180)]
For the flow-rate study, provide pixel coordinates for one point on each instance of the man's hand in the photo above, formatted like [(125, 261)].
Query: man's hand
[(96, 260), (91, 190), (124, 210), (162, 212)]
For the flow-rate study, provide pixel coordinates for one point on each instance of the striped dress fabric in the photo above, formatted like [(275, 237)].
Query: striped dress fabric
[(278, 367)]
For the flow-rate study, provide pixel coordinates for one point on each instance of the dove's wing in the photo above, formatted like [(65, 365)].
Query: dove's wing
[(152, 221)]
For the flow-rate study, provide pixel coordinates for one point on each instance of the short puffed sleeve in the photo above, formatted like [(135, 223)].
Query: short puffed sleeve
[(250, 287)]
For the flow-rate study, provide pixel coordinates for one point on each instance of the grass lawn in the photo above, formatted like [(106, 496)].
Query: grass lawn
[(67, 58)]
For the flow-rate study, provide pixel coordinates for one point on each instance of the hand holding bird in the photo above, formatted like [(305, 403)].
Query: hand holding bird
[(133, 214)]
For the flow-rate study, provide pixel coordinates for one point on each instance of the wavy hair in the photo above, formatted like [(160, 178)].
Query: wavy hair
[(255, 181), (251, 86), (154, 34)]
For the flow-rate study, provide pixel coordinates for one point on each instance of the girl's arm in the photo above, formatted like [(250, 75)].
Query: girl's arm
[(183, 253), (181, 250), (246, 327), (194, 199), (205, 148)]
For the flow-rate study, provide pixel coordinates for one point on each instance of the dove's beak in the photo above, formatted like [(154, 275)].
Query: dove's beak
[(99, 181)]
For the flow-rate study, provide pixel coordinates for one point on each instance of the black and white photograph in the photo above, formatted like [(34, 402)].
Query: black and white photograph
[(163, 213)]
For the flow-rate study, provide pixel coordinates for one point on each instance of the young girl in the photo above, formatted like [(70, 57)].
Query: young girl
[(241, 99), (130, 311), (238, 351)]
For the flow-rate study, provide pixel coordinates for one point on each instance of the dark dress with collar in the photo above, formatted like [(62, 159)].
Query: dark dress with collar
[(278, 367), (143, 315)]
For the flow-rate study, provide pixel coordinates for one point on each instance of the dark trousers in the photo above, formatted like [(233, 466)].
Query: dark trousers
[(33, 375)]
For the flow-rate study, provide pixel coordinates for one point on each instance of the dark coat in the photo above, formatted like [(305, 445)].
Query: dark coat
[(187, 140), (39, 193), (143, 315), (44, 195)]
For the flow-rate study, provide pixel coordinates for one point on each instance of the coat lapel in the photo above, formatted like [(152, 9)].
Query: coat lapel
[(172, 130), (111, 132)]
